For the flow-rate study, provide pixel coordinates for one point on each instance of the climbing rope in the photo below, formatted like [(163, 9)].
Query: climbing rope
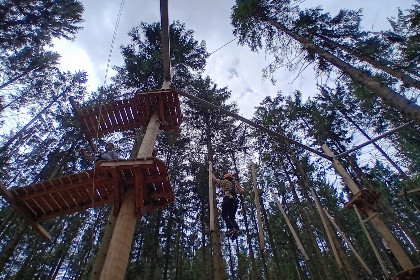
[(117, 23)]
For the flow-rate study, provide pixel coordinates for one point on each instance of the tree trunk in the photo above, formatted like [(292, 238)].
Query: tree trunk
[(119, 249), (343, 262), (248, 236), (155, 248), (23, 129), (15, 79), (249, 242), (10, 247), (407, 80), (9, 214), (392, 242), (104, 246), (350, 120), (110, 226), (279, 270), (219, 271), (313, 266), (206, 273), (258, 207), (169, 232), (178, 254), (406, 107)]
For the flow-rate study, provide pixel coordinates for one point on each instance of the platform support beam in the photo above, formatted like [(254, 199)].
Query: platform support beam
[(119, 249), (10, 198), (376, 221)]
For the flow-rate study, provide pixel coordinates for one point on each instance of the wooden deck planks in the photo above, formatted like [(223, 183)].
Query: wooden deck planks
[(155, 191), (131, 113), (105, 184)]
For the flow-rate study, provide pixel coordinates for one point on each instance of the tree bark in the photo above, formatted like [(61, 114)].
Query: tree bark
[(109, 229), (392, 242), (279, 270), (119, 249), (155, 248), (406, 107), (406, 79), (104, 246), (314, 268), (8, 250), (219, 271)]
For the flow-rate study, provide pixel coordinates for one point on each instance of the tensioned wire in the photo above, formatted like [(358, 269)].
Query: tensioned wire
[(100, 115)]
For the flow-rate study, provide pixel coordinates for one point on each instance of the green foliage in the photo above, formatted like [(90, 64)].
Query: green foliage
[(26, 29), (175, 243), (405, 36), (143, 58)]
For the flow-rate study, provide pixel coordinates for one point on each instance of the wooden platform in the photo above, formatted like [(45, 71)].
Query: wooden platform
[(364, 200), (103, 185), (131, 113), (411, 274)]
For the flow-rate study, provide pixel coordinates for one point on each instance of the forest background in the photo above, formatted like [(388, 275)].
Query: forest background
[(175, 243)]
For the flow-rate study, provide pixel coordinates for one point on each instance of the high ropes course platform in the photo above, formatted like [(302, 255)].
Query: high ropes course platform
[(138, 185), (106, 184), (131, 113), (109, 180)]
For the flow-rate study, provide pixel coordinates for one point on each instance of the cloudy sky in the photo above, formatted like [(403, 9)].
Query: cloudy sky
[(233, 66)]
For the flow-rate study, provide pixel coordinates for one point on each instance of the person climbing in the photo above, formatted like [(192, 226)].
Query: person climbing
[(230, 189), (107, 155)]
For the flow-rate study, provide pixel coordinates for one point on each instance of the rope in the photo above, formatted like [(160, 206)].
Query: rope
[(113, 40), (92, 210)]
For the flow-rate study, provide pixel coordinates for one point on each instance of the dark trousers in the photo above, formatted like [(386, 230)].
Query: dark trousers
[(229, 208)]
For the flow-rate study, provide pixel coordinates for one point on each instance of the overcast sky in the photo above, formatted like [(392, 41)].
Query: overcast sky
[(233, 66)]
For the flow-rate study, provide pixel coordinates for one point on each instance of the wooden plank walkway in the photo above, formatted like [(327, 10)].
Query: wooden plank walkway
[(105, 184), (127, 114)]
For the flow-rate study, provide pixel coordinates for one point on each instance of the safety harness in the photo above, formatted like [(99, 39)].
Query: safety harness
[(232, 192)]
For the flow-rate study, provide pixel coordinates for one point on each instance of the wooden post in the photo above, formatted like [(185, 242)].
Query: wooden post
[(386, 272), (348, 243), (292, 230), (119, 249), (164, 19), (257, 204), (211, 197), (392, 242), (342, 171), (327, 229)]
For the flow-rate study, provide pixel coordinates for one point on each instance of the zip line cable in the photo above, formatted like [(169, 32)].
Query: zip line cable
[(223, 46)]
